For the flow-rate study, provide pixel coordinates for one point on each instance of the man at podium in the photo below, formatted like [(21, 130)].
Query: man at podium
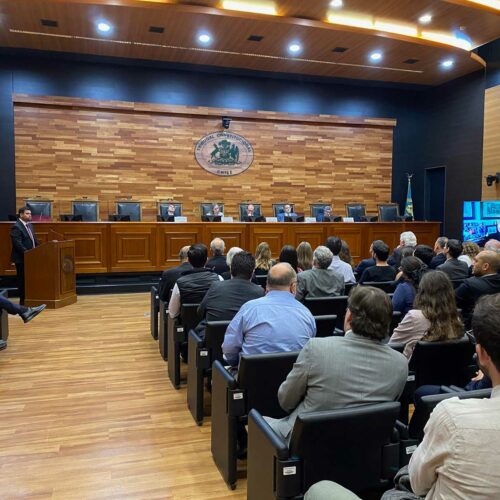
[(23, 239)]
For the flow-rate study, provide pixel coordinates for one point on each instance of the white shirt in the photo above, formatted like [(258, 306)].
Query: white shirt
[(174, 305), (466, 259), (342, 268), (459, 457)]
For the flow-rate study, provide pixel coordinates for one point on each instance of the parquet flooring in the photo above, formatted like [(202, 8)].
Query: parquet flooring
[(87, 411)]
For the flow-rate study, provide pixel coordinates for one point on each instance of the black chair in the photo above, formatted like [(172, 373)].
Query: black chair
[(70, 218), (325, 325), (87, 210), (257, 211), (40, 209), (343, 445), (396, 319), (349, 287), (324, 306), (129, 208), (4, 320), (259, 378), (202, 354), (357, 211), (386, 286), (163, 211), (154, 310), (261, 280), (176, 336), (389, 212), (319, 208), (280, 208), (163, 327)]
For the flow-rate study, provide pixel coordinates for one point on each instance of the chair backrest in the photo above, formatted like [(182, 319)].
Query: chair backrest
[(130, 208), (163, 208), (261, 280), (214, 337), (40, 209), (346, 445), (396, 319), (325, 325), (386, 286), (388, 212), (189, 316), (323, 306), (87, 210), (355, 210), (349, 287), (280, 207), (442, 363), (243, 209), (260, 375)]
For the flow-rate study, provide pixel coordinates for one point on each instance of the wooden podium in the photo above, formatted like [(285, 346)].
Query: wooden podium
[(49, 271)]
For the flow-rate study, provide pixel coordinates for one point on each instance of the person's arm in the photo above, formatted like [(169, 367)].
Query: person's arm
[(293, 389), (435, 448), (350, 275), (174, 305), (398, 299), (233, 339), (364, 276), (16, 236), (301, 289)]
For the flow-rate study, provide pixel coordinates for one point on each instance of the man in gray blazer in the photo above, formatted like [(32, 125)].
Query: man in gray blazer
[(454, 268), (320, 281), (337, 372)]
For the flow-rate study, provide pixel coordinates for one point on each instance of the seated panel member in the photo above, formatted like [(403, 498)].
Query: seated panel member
[(170, 215), (287, 212), (326, 215), (274, 323), (252, 215), (215, 215)]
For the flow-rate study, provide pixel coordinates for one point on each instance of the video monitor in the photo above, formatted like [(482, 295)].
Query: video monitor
[(481, 221)]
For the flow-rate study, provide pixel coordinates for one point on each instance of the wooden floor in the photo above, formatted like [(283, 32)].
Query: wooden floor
[(87, 411)]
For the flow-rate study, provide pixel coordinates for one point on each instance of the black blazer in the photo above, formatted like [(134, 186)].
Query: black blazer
[(168, 279), (21, 241)]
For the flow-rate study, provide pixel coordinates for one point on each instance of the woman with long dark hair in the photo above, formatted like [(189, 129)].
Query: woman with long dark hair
[(289, 254), (305, 255), (412, 269), (434, 316)]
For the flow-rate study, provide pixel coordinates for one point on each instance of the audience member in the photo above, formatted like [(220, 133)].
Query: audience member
[(289, 254), (170, 276), (224, 298), (338, 372), (439, 255), (304, 256), (329, 490), (338, 265), (217, 262), (345, 254), (406, 239), (434, 316), (469, 251), (412, 269), (194, 283), (458, 457), (274, 323), (381, 271), (454, 268), (229, 257), (424, 253), (485, 281), (320, 281), (365, 263), (263, 260), (493, 245)]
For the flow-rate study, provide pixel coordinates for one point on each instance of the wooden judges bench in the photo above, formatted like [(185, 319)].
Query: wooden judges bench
[(125, 247)]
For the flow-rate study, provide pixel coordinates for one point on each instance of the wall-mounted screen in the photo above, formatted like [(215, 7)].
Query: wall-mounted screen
[(481, 221)]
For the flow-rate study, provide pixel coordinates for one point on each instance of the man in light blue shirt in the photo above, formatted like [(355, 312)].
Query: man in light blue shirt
[(338, 265), (287, 212), (274, 323)]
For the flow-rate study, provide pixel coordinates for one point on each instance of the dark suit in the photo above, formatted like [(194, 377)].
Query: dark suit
[(168, 279), (437, 260), (224, 299), (21, 242), (471, 289), (364, 264), (455, 269), (217, 264)]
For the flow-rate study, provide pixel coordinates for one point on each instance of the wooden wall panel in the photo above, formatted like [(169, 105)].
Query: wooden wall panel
[(173, 238), (146, 153), (491, 141), (133, 247)]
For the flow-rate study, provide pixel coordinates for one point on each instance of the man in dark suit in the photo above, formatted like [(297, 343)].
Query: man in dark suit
[(23, 239), (485, 281), (224, 298), (439, 257), (454, 268), (170, 276), (218, 262)]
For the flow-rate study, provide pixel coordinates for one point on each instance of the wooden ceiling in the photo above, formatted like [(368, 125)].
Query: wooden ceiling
[(304, 21)]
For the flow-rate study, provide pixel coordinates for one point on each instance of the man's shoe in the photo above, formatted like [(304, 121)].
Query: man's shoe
[(32, 312), (3, 345)]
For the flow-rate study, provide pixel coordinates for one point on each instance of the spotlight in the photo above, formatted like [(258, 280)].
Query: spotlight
[(104, 27), (295, 48), (425, 19), (337, 4), (376, 56), (204, 38), (447, 64), (226, 121), (493, 179)]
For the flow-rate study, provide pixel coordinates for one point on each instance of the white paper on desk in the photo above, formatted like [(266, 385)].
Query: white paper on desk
[(271, 219), (347, 219), (310, 219), (226, 219), (180, 219)]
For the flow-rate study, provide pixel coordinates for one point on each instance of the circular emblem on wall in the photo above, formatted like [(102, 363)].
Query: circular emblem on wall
[(224, 153)]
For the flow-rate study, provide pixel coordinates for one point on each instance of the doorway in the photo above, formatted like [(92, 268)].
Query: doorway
[(435, 195)]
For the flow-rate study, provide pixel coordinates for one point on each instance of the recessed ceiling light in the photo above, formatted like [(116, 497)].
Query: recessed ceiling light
[(204, 38), (448, 63), (337, 4), (425, 19), (104, 27), (295, 48), (376, 56)]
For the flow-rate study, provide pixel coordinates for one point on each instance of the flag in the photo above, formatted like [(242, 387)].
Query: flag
[(409, 201)]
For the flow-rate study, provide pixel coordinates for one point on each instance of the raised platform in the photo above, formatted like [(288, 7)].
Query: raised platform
[(143, 247)]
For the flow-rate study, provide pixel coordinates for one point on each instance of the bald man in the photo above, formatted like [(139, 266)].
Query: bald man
[(170, 276), (274, 323), (485, 281)]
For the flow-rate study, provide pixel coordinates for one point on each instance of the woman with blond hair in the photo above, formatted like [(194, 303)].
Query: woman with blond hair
[(263, 261), (305, 255)]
